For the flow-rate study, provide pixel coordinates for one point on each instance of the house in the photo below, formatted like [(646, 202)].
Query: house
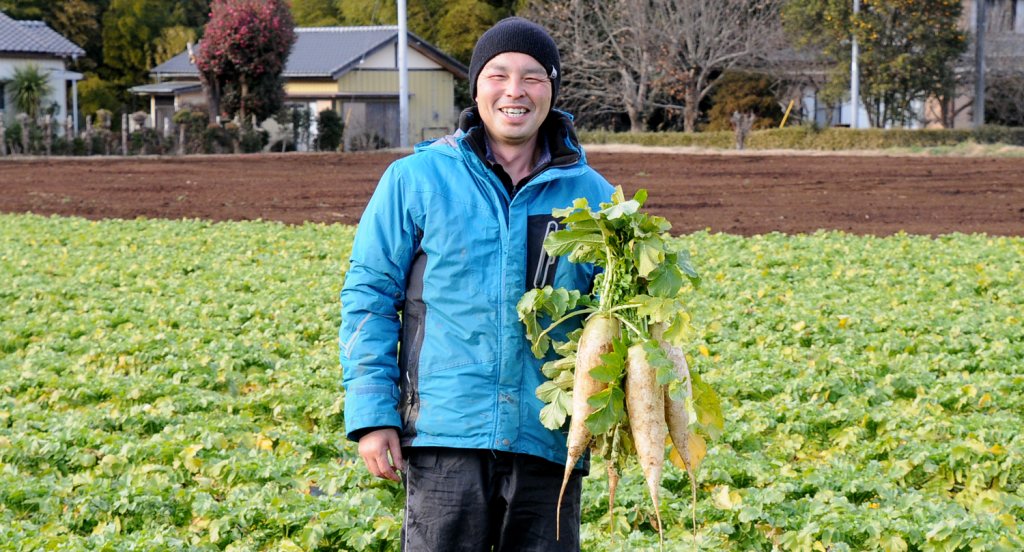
[(353, 70), (28, 43)]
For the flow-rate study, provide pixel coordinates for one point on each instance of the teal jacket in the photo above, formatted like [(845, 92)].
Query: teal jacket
[(430, 340)]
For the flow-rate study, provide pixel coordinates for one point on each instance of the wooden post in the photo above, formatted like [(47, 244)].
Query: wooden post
[(24, 121), (87, 137), (69, 136), (182, 128), (48, 133), (124, 134), (742, 123)]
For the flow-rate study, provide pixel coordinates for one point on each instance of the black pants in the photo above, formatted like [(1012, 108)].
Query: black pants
[(481, 500)]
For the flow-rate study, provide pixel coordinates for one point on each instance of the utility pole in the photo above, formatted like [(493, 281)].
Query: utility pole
[(979, 63), (855, 75), (403, 76)]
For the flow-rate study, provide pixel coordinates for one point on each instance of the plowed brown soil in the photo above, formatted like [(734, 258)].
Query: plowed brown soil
[(743, 194)]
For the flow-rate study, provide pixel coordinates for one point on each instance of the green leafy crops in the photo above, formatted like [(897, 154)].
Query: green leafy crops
[(174, 385)]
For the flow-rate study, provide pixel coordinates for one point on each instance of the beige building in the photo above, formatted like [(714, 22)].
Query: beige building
[(353, 70)]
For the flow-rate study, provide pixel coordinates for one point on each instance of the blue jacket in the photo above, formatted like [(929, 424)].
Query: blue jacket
[(441, 257)]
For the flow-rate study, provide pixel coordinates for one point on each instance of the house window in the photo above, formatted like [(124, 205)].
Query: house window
[(3, 96)]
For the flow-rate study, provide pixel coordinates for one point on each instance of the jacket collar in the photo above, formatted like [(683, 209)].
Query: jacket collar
[(557, 130)]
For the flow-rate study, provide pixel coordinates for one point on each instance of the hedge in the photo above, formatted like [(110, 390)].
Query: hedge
[(809, 138)]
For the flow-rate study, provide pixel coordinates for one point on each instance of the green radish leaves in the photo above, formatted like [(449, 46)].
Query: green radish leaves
[(559, 401), (551, 302), (557, 392), (664, 369), (610, 403), (609, 406), (708, 406), (613, 364)]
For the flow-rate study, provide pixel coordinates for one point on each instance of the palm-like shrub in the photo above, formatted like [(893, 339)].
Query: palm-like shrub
[(29, 86)]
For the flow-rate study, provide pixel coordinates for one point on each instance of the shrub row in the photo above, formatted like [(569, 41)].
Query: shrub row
[(810, 138)]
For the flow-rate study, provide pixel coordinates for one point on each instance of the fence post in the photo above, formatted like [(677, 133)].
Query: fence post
[(124, 134), (24, 121), (742, 123), (88, 135), (48, 133), (3, 136), (69, 136)]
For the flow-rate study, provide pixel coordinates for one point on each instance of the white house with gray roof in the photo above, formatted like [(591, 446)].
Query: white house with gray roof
[(353, 70), (28, 43)]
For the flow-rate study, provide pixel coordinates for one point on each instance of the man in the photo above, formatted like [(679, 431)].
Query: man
[(451, 240)]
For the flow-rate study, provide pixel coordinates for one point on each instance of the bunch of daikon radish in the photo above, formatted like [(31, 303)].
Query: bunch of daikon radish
[(622, 379)]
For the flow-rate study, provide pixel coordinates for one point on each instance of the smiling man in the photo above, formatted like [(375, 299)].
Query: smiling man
[(440, 381)]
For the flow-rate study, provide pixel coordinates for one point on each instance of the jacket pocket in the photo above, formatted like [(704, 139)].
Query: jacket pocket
[(540, 267)]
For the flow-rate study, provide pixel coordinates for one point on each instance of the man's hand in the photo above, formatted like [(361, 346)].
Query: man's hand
[(374, 448)]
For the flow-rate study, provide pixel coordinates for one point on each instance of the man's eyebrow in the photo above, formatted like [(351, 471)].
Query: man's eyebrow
[(527, 71)]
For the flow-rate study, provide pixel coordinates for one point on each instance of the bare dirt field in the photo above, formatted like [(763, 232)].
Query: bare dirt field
[(742, 194)]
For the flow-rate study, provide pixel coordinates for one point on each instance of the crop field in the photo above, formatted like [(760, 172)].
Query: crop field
[(174, 385)]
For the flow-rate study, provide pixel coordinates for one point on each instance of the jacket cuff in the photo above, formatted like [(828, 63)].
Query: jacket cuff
[(369, 409)]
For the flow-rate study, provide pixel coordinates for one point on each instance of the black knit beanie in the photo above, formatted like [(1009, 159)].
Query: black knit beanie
[(515, 34)]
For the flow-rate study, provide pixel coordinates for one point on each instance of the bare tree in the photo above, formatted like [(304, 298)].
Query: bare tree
[(1004, 60), (610, 54), (710, 38)]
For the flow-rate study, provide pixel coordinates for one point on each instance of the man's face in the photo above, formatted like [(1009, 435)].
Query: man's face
[(513, 95)]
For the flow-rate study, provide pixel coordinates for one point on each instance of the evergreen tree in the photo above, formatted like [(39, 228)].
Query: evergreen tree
[(130, 31), (907, 48), (316, 13)]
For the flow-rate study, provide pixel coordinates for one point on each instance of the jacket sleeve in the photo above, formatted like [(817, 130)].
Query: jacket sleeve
[(371, 298)]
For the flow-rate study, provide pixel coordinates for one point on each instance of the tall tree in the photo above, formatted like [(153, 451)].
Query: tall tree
[(244, 49), (610, 53), (633, 56), (172, 41), (908, 50), (130, 31), (26, 9), (316, 13), (191, 13), (76, 20), (460, 25), (707, 39)]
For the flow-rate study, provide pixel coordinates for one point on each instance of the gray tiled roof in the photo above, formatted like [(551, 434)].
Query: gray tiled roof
[(169, 87), (320, 52), (34, 37)]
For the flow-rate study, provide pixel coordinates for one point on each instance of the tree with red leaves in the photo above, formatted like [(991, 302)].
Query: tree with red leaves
[(242, 55)]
